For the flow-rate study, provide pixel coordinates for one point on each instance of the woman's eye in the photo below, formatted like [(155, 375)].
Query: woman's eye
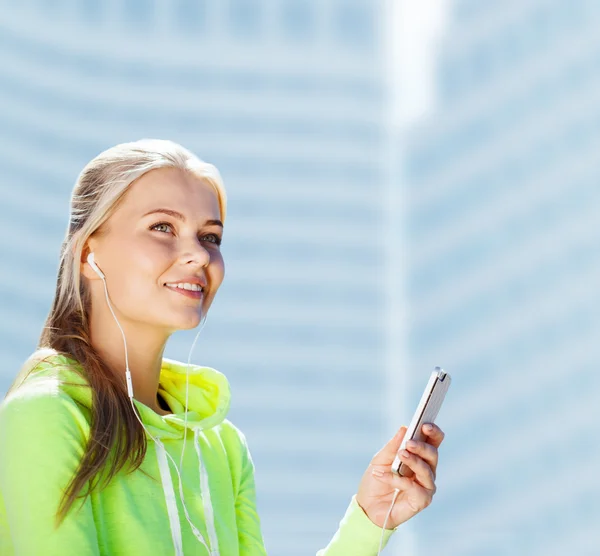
[(160, 224), (215, 238)]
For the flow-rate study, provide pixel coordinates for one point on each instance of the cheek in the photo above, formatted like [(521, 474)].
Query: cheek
[(150, 260), (141, 269), (216, 269)]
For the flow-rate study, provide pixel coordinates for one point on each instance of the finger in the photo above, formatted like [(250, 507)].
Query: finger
[(418, 496), (425, 451), (434, 435), (423, 473), (386, 455), (395, 481)]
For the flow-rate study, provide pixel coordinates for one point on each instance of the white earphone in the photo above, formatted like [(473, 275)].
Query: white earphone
[(197, 533), (92, 263)]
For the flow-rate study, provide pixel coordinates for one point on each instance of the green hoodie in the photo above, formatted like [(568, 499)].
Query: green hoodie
[(44, 426)]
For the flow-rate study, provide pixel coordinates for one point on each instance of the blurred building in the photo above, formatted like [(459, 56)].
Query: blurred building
[(503, 267), (287, 98)]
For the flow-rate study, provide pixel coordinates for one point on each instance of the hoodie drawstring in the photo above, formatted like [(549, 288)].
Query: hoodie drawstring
[(209, 516), (167, 484), (172, 510)]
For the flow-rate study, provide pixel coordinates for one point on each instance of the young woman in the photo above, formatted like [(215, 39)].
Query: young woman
[(94, 428)]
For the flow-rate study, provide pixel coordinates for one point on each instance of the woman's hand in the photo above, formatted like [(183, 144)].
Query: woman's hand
[(375, 492)]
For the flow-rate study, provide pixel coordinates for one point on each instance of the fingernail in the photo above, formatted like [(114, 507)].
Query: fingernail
[(405, 454), (377, 472), (411, 444), (428, 428)]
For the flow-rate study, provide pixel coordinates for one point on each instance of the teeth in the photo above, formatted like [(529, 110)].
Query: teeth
[(186, 286)]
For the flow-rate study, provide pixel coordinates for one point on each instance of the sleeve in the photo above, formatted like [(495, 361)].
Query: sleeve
[(356, 534), (42, 440), (250, 537)]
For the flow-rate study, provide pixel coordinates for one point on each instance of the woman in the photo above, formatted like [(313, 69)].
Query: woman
[(86, 467)]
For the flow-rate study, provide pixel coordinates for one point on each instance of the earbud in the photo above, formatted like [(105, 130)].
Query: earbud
[(90, 260)]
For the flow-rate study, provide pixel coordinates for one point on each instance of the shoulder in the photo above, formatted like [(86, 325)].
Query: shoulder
[(49, 392), (235, 444), (47, 362), (233, 435)]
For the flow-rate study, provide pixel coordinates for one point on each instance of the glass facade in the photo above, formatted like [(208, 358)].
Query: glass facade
[(296, 128)]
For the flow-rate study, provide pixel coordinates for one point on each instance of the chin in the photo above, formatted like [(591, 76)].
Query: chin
[(184, 318), (189, 321), (189, 326)]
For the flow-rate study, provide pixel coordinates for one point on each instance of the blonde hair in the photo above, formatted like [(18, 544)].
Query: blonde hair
[(100, 186)]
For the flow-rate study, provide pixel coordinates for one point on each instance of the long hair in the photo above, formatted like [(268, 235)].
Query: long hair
[(116, 436)]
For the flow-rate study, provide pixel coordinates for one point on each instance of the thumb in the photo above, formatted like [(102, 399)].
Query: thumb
[(386, 455)]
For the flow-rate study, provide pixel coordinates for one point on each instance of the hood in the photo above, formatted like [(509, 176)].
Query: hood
[(208, 398)]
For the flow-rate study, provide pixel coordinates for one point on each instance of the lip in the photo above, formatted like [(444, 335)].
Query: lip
[(190, 280), (187, 293)]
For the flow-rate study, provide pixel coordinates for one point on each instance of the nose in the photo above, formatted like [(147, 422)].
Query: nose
[(196, 255)]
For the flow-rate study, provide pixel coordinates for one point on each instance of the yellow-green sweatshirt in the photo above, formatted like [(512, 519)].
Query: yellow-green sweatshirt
[(44, 427)]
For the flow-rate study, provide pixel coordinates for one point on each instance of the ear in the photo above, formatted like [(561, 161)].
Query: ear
[(84, 267)]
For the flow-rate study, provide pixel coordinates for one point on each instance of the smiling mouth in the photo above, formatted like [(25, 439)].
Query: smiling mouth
[(184, 286)]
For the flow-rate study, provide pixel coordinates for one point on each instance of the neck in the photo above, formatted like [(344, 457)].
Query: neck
[(145, 348)]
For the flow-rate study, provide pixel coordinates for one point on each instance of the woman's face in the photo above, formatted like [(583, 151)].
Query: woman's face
[(143, 250)]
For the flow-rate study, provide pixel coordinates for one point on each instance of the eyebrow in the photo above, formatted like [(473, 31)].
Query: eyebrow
[(181, 217)]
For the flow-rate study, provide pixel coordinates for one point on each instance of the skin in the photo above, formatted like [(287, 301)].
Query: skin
[(376, 490), (137, 261), (138, 256)]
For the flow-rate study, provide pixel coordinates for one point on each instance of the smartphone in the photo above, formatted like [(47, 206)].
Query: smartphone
[(426, 412)]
